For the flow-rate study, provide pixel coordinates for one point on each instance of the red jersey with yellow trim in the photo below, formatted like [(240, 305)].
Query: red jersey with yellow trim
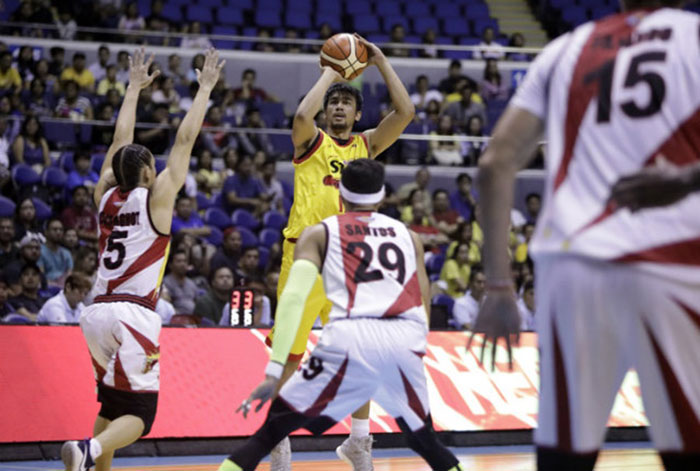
[(316, 180), (369, 268), (132, 252), (618, 95)]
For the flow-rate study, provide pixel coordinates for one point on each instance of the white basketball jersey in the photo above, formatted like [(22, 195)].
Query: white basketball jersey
[(619, 95), (369, 269), (132, 252)]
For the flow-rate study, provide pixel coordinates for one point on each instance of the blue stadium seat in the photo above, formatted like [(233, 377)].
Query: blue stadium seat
[(456, 26), (61, 134), (435, 263), (305, 6), (85, 131), (97, 161), (444, 300), (385, 8), (288, 188), (574, 16), (203, 203), (264, 256), (330, 6), (269, 237), (242, 4), (216, 237), (244, 218), (224, 44), (217, 217), (172, 12), (273, 114), (298, 19), (248, 238), (476, 10), (7, 207), (390, 21), (272, 5), (559, 4), (423, 24), (54, 177), (282, 143), (65, 161), (17, 319), (358, 7), (268, 18), (161, 164), (417, 10), (332, 18), (598, 13), (274, 220), (229, 16), (43, 210), (366, 23), (447, 10), (378, 38), (479, 25), (23, 175), (211, 3), (199, 13)]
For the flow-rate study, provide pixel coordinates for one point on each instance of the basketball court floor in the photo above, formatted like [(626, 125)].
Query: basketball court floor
[(626, 457)]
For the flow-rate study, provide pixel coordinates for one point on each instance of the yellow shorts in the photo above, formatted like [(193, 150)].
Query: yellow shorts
[(316, 305)]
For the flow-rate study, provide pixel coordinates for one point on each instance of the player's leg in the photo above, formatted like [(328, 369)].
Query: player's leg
[(582, 360), (667, 352), (104, 461), (403, 392)]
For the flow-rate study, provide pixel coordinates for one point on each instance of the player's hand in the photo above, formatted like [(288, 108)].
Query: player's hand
[(263, 393), (138, 70), (209, 75), (651, 187), (327, 69), (374, 54), (498, 318)]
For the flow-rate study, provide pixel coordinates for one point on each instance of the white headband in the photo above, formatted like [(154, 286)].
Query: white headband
[(361, 198)]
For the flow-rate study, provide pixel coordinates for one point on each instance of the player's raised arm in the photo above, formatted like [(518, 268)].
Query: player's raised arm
[(171, 179), (304, 128), (391, 127), (124, 128)]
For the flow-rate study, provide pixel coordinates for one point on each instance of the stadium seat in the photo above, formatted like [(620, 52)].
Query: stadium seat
[(229, 16), (388, 22), (269, 237), (476, 10), (216, 237), (305, 6), (274, 220), (598, 13), (559, 4), (65, 161), (160, 164), (456, 26), (211, 3), (199, 13), (172, 12), (384, 8), (248, 238), (97, 161), (7, 207), (331, 18), (366, 23), (62, 135), (218, 218), (15, 318), (479, 25), (574, 16), (85, 133), (358, 7), (282, 143), (264, 256), (298, 19), (273, 114), (435, 263), (43, 210), (203, 203), (447, 10), (270, 5), (242, 4), (53, 177), (268, 18), (423, 24), (444, 300), (417, 10), (244, 218), (24, 175)]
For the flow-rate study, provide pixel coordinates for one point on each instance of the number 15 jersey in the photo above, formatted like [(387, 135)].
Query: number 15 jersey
[(619, 95), (132, 252), (369, 268)]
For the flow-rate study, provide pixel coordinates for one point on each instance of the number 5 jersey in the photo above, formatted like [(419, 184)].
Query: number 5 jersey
[(132, 252), (369, 268)]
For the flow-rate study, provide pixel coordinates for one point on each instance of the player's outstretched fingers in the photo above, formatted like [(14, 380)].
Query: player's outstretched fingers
[(494, 347)]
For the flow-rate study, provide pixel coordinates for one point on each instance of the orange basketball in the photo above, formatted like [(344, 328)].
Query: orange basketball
[(345, 54)]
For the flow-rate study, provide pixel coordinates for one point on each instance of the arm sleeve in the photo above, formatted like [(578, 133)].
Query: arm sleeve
[(302, 277)]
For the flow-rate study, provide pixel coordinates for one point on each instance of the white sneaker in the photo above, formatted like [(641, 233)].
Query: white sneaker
[(357, 452), (76, 455), (281, 456)]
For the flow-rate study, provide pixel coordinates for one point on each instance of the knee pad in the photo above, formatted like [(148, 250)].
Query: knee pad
[(116, 403)]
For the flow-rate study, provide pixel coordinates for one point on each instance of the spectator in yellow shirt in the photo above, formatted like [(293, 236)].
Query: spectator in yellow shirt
[(456, 270), (110, 82), (79, 73), (9, 76)]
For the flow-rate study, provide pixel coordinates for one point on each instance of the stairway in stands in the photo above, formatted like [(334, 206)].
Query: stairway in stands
[(515, 16)]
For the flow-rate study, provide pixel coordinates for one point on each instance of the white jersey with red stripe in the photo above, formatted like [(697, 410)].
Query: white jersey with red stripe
[(369, 269), (616, 96), (132, 252)]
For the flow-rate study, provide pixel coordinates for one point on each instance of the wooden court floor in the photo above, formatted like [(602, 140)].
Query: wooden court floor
[(618, 459)]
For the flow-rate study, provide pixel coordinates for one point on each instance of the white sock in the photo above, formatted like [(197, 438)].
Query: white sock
[(95, 448), (359, 428)]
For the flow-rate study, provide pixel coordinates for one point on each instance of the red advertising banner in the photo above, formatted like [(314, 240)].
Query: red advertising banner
[(47, 391)]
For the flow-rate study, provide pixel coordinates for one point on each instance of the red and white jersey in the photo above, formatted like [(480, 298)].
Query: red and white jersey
[(616, 96), (369, 269), (132, 252)]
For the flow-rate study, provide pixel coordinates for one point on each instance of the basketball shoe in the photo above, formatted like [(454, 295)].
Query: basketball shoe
[(281, 456), (76, 455), (357, 452)]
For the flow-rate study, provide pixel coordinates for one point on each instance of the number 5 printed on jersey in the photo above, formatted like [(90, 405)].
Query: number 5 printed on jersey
[(114, 261)]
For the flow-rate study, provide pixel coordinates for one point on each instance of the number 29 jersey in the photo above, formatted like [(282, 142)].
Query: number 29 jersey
[(369, 268), (132, 253), (616, 96)]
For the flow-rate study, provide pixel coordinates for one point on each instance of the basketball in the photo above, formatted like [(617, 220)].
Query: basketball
[(345, 54)]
